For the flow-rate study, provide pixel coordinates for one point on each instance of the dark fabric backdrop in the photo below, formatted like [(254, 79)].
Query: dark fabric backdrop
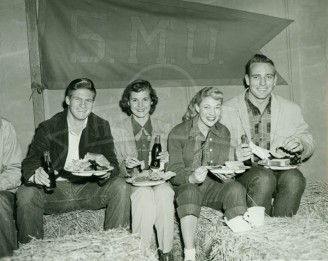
[(167, 42)]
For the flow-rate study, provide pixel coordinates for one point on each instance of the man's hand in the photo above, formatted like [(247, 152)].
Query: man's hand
[(292, 145), (243, 152), (106, 175), (40, 177), (199, 175)]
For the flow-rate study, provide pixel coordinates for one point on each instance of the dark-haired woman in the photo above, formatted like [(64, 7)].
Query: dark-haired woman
[(134, 138)]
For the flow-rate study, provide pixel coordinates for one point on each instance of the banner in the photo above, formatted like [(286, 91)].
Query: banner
[(169, 43)]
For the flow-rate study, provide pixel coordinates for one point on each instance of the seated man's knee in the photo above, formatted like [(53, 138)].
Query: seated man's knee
[(27, 196), (6, 206), (293, 179), (266, 180), (235, 189), (263, 177), (118, 185)]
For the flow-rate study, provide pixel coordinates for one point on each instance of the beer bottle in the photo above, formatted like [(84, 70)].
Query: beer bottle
[(244, 139), (48, 167), (157, 148)]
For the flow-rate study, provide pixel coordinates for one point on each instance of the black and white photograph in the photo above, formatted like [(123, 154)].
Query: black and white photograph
[(163, 130)]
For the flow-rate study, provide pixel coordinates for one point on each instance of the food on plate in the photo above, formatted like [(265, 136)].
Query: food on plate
[(98, 158), (234, 164), (223, 170), (279, 162), (149, 175), (155, 175), (141, 179), (91, 162)]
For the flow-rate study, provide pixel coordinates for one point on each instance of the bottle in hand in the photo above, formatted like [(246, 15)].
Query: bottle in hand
[(244, 139), (48, 167), (157, 148)]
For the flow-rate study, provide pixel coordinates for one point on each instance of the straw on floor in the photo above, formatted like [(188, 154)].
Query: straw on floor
[(79, 235), (116, 244), (302, 237)]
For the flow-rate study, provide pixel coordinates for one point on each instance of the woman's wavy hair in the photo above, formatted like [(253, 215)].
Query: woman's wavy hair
[(213, 92), (138, 86)]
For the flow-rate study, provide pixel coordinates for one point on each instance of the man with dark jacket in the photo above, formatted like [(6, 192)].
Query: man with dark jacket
[(69, 136)]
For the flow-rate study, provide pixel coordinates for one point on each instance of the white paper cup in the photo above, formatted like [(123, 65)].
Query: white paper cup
[(255, 216)]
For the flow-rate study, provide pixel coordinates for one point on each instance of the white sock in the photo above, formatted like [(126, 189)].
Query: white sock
[(189, 254)]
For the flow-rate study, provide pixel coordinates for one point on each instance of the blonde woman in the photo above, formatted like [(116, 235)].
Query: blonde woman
[(200, 140)]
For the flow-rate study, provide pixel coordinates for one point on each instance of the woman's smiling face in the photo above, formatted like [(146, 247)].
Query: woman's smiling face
[(209, 111), (140, 103)]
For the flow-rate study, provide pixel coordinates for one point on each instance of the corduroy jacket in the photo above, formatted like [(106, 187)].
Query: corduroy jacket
[(181, 148), (52, 135)]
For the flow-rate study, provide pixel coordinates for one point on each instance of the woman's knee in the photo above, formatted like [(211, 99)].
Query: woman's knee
[(142, 194), (163, 192), (188, 194)]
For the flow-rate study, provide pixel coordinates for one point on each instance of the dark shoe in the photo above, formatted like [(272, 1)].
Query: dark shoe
[(165, 256)]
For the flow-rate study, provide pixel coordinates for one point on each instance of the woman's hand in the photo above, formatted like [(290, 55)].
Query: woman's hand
[(199, 175), (164, 156), (131, 162)]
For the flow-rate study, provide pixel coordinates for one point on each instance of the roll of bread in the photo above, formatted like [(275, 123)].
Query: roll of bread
[(279, 162)]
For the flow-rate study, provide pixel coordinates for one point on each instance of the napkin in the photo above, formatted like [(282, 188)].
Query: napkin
[(258, 151)]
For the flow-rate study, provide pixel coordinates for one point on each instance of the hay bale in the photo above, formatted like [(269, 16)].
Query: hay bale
[(208, 221), (302, 237), (280, 238), (177, 249), (72, 223), (315, 200), (116, 244)]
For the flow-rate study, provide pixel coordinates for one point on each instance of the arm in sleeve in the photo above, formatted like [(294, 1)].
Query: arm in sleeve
[(10, 177), (301, 132), (40, 143), (108, 150), (176, 163), (120, 159)]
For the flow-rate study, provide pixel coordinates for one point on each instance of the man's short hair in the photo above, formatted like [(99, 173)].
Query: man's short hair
[(257, 58), (80, 83)]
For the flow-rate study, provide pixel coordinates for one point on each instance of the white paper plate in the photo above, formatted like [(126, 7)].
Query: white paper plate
[(88, 173), (149, 183), (281, 168), (223, 170), (265, 164)]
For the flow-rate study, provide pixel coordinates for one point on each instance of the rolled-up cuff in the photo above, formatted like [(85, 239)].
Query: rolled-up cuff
[(235, 211), (188, 209)]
